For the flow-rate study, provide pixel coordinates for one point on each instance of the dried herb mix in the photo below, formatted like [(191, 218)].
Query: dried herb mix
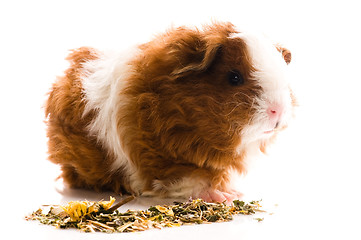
[(103, 217)]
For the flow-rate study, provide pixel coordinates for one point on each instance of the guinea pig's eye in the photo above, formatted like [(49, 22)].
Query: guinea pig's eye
[(235, 78)]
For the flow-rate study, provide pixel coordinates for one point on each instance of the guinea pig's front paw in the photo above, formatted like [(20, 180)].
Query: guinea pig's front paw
[(213, 195)]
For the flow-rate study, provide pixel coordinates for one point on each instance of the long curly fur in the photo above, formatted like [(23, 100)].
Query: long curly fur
[(163, 119)]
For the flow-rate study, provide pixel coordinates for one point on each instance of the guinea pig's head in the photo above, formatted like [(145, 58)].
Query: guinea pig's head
[(217, 91)]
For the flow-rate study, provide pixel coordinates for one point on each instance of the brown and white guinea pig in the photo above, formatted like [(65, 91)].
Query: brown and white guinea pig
[(174, 117)]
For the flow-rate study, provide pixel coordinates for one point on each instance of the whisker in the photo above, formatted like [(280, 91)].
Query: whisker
[(235, 107), (243, 94), (254, 114)]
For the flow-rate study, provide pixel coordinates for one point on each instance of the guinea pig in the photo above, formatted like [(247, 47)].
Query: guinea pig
[(174, 117)]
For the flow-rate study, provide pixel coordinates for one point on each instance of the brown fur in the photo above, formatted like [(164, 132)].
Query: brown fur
[(82, 160), (182, 119)]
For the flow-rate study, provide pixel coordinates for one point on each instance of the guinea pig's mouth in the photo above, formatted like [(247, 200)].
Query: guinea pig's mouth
[(272, 130)]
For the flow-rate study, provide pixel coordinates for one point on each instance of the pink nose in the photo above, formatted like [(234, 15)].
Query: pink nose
[(274, 113)]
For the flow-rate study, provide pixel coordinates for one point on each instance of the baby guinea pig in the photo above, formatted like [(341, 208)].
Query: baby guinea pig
[(174, 117)]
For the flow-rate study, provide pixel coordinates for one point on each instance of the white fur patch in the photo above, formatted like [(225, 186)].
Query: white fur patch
[(103, 83), (271, 75)]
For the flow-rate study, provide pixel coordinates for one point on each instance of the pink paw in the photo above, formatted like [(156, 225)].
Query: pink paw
[(212, 195)]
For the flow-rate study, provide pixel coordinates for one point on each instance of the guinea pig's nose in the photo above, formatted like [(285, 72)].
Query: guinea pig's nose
[(274, 112)]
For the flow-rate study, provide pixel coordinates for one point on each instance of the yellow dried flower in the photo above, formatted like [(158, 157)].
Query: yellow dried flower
[(78, 209), (107, 204)]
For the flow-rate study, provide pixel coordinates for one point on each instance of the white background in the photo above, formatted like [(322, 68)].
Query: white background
[(311, 178)]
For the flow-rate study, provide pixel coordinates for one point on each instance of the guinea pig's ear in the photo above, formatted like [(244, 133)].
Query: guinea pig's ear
[(197, 50), (286, 54), (201, 60)]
